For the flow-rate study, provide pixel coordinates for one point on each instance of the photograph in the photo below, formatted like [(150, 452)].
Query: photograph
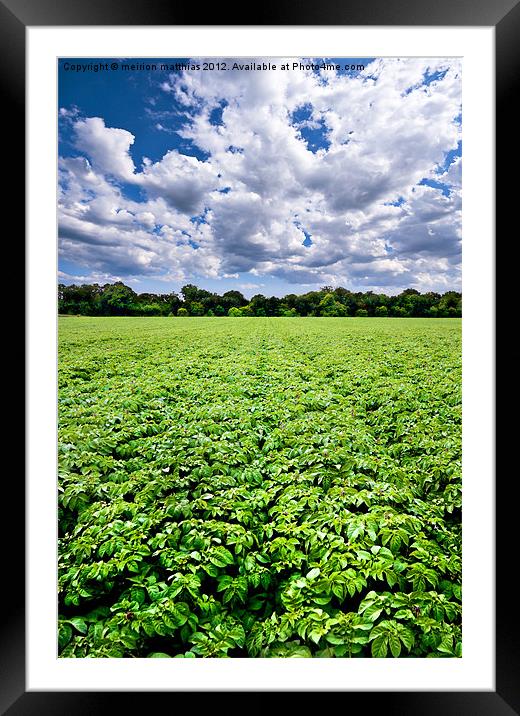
[(259, 399)]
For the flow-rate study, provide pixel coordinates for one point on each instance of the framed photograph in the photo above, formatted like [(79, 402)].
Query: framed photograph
[(317, 478)]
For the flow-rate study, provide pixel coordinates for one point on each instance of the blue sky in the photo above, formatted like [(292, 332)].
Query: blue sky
[(274, 182)]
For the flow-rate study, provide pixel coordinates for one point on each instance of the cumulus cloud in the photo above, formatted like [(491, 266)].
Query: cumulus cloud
[(183, 182), (371, 201), (107, 147)]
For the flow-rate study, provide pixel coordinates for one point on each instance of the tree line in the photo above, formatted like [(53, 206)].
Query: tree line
[(117, 299)]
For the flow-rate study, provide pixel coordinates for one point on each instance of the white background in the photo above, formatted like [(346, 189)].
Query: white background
[(475, 670)]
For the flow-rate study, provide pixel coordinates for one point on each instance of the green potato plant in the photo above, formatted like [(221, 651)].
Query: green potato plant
[(259, 488)]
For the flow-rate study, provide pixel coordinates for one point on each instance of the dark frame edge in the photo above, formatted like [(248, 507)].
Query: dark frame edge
[(268, 12), (389, 703), (507, 73), (12, 89)]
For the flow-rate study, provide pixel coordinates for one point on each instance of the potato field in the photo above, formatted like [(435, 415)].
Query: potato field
[(259, 487)]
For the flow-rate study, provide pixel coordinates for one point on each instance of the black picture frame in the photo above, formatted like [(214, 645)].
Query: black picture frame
[(504, 16)]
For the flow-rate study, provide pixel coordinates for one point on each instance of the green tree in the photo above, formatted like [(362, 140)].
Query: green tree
[(307, 304), (259, 304), (189, 292), (233, 299), (328, 306), (118, 299), (84, 299), (399, 312), (450, 304), (196, 309), (174, 302), (271, 306), (150, 309), (234, 312)]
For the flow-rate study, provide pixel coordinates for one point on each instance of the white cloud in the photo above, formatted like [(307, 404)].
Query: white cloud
[(107, 147), (183, 182), (371, 223)]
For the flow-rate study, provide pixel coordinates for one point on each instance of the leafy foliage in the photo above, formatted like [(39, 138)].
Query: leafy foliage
[(116, 299), (262, 488)]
